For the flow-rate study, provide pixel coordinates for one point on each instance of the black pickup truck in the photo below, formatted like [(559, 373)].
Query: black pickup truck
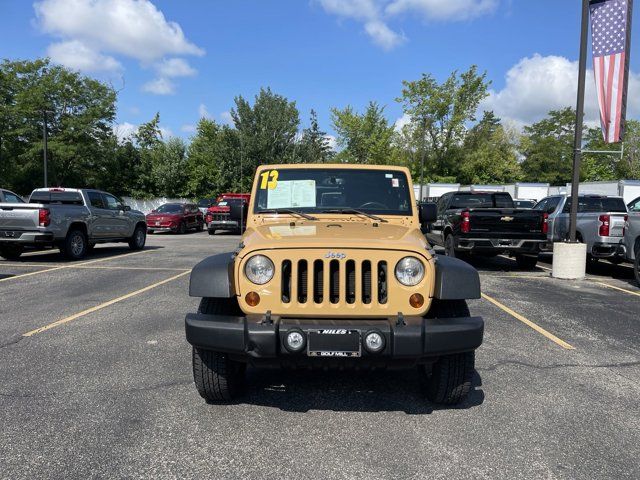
[(488, 224)]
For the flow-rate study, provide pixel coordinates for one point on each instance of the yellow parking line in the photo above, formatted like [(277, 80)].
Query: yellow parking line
[(637, 294), (101, 306), (529, 323), (72, 265)]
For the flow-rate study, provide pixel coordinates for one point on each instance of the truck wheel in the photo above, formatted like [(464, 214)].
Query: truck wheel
[(636, 268), (217, 378), (139, 238), (449, 381), (526, 262), (75, 246), (11, 252)]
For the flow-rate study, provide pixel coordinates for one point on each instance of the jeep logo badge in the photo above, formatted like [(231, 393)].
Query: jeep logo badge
[(339, 256)]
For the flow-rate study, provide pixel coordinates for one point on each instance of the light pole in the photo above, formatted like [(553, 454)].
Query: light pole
[(45, 135), (577, 144)]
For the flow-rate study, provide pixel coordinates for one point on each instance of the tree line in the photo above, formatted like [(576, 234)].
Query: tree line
[(441, 140)]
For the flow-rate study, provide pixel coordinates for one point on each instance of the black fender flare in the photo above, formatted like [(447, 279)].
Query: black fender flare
[(455, 279), (213, 277)]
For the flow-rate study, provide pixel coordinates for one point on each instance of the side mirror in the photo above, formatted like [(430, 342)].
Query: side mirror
[(428, 213), (127, 208)]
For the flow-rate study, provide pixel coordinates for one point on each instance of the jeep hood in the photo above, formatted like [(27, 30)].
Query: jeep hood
[(332, 235)]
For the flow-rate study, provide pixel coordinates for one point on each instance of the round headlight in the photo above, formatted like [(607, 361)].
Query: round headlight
[(259, 269), (409, 271)]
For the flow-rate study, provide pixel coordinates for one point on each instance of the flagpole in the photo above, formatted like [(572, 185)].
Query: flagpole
[(577, 145)]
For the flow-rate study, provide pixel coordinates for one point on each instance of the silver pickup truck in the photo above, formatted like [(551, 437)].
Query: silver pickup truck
[(631, 242), (72, 220), (600, 222)]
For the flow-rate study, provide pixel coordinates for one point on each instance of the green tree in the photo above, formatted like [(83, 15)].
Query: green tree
[(547, 147), (148, 139), (365, 138), (601, 167), (439, 113), (267, 130), (314, 146), (214, 161), (169, 168), (489, 155), (79, 111)]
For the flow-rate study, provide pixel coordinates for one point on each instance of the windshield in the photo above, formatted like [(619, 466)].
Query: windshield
[(169, 208), (331, 190), (481, 200)]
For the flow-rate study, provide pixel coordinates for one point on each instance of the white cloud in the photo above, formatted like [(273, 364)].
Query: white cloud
[(203, 112), (382, 35), (333, 143), (226, 118), (375, 14), (77, 56), (538, 84), (400, 123), (165, 132), (134, 28), (125, 131), (93, 31), (175, 67), (188, 128), (443, 9), (159, 86)]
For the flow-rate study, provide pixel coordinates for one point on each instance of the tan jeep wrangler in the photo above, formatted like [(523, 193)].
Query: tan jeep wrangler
[(334, 271)]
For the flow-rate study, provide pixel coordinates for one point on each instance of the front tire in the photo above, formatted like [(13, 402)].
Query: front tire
[(11, 252), (449, 381), (139, 238), (182, 228), (217, 377), (636, 268), (75, 246)]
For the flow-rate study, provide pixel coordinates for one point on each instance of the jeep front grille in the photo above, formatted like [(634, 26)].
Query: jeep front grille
[(220, 217), (334, 281)]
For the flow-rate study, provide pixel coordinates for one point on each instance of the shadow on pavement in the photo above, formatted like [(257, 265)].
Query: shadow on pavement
[(54, 256), (399, 390)]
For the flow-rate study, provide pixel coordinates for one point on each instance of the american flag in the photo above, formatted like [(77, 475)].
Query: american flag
[(610, 34)]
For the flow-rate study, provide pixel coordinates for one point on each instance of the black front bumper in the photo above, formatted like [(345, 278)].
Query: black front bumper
[(254, 338)]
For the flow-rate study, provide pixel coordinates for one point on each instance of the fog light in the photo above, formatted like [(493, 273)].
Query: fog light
[(374, 342), (252, 299), (295, 341), (416, 300)]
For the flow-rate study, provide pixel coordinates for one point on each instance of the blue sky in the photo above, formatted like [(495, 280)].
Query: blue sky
[(320, 53)]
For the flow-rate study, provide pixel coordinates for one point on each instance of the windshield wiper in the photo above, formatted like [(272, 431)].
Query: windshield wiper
[(289, 211), (353, 210)]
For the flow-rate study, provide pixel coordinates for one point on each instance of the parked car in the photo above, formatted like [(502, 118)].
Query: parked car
[(205, 203), (488, 223), (222, 217), (600, 222), (631, 238), (522, 203), (175, 217), (74, 220), (7, 196), (333, 272)]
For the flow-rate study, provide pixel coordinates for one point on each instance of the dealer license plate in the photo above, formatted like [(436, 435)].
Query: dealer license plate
[(334, 342)]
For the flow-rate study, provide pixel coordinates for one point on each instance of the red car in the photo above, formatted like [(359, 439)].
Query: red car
[(175, 217), (219, 215)]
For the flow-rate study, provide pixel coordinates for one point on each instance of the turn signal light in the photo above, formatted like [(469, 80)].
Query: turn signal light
[(465, 224), (605, 221), (252, 299), (416, 300), (44, 218)]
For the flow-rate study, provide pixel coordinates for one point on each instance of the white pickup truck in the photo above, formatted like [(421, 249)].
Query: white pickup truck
[(73, 220)]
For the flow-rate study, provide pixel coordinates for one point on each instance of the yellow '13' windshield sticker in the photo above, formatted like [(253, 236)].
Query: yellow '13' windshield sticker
[(269, 179)]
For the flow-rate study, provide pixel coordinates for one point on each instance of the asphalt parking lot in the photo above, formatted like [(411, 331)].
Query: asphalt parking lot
[(96, 382)]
